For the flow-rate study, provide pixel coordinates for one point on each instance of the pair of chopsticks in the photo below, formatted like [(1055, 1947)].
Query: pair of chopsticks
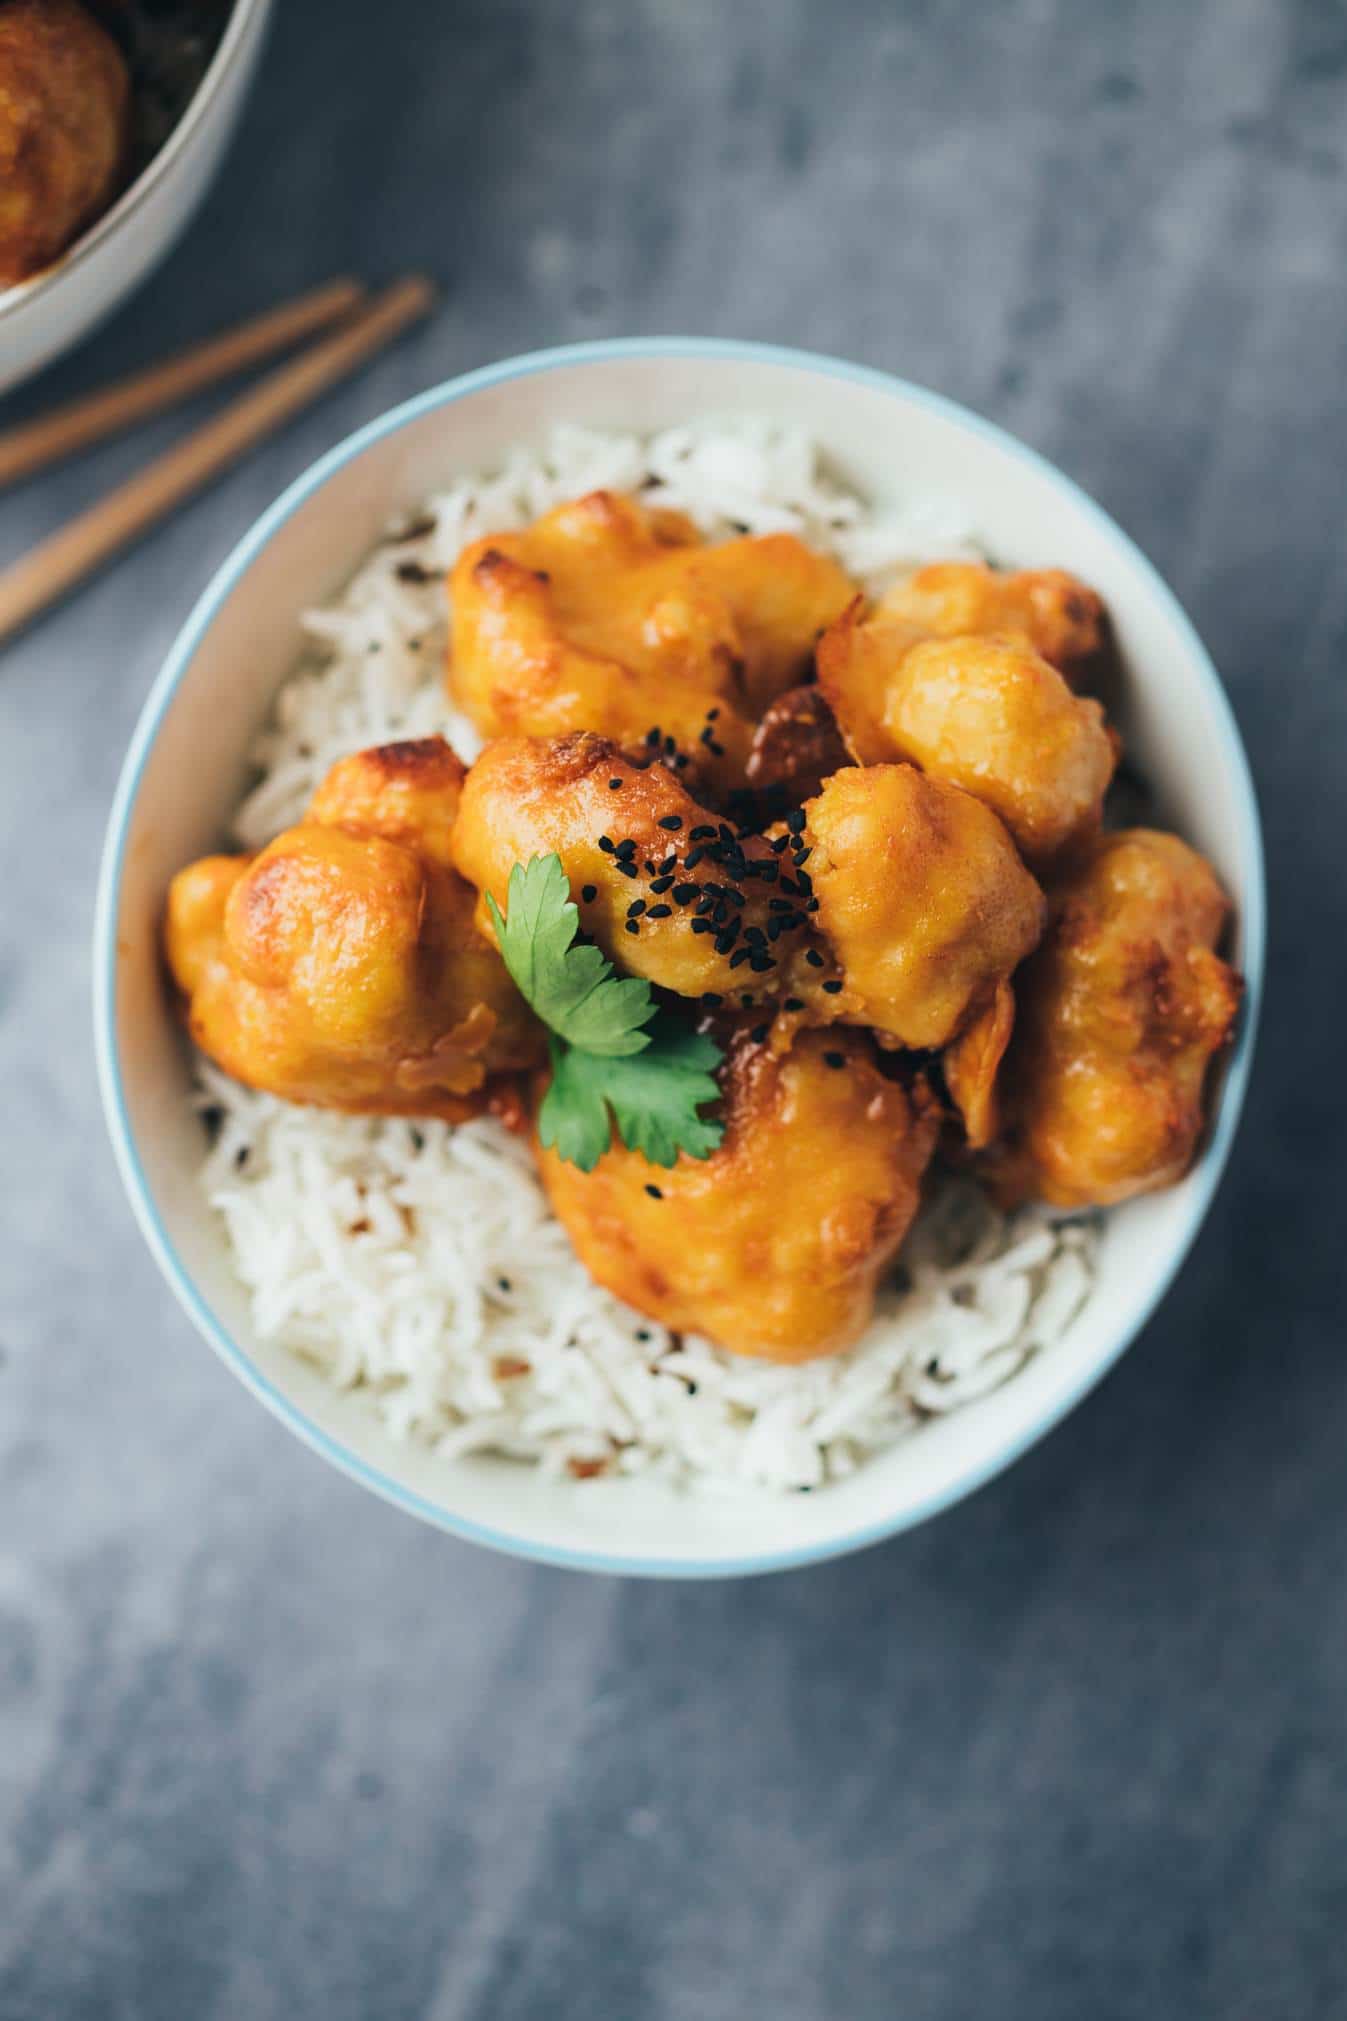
[(357, 327)]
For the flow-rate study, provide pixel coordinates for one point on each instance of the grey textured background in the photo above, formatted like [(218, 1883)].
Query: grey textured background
[(1079, 1748)]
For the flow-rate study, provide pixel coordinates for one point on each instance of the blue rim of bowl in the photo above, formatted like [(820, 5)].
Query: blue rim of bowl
[(1204, 1180)]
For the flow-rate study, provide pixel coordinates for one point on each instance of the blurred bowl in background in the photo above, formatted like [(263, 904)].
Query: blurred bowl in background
[(44, 316)]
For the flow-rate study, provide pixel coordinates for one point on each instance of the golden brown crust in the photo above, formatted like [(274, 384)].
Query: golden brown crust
[(1120, 1015), (774, 1245), (987, 713), (605, 616), (922, 898), (796, 746), (1060, 616), (973, 1063), (341, 966), (64, 126), (702, 922)]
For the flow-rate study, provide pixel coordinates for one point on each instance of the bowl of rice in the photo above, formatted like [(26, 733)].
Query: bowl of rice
[(398, 1292)]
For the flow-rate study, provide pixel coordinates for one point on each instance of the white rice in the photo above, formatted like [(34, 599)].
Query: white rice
[(422, 1263)]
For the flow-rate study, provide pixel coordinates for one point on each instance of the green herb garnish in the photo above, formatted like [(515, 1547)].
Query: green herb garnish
[(615, 1059)]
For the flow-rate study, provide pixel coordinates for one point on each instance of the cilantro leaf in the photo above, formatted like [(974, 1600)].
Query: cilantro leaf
[(610, 1064), (572, 989), (653, 1097)]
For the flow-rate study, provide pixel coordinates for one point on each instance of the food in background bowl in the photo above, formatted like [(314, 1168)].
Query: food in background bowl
[(88, 94), (837, 941)]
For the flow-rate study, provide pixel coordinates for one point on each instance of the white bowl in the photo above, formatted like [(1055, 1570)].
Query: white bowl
[(44, 316), (187, 766)]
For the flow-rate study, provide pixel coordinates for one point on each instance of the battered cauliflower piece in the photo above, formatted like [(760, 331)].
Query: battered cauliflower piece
[(341, 965), (664, 888), (64, 128), (1120, 1013), (1056, 613), (922, 898), (608, 617), (774, 1245), (988, 714)]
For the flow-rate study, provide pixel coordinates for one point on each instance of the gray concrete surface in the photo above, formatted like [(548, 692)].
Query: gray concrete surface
[(1075, 1752)]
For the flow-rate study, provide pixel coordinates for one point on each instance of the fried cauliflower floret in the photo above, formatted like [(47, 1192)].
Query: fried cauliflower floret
[(987, 714), (922, 898), (341, 966), (673, 896), (1120, 1013), (773, 1245), (605, 616), (64, 124), (1058, 615)]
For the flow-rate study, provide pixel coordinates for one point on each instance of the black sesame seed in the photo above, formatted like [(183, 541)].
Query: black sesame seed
[(702, 926), (813, 957), (835, 1059), (705, 904), (711, 1000), (607, 845), (660, 912), (716, 750), (725, 940), (694, 857), (661, 884), (589, 892), (746, 1002), (774, 927), (755, 934), (670, 745), (741, 956), (832, 989), (779, 905), (711, 715), (636, 908), (779, 843), (792, 1003), (811, 905), (503, 1283), (671, 821), (642, 1333), (700, 833), (795, 820), (669, 863), (627, 869), (652, 737), (706, 736), (759, 1033), (633, 926), (760, 963), (626, 849), (684, 893), (613, 785), (654, 1192)]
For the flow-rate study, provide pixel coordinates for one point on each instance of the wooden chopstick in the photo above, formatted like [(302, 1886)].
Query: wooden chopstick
[(56, 565), (82, 422)]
